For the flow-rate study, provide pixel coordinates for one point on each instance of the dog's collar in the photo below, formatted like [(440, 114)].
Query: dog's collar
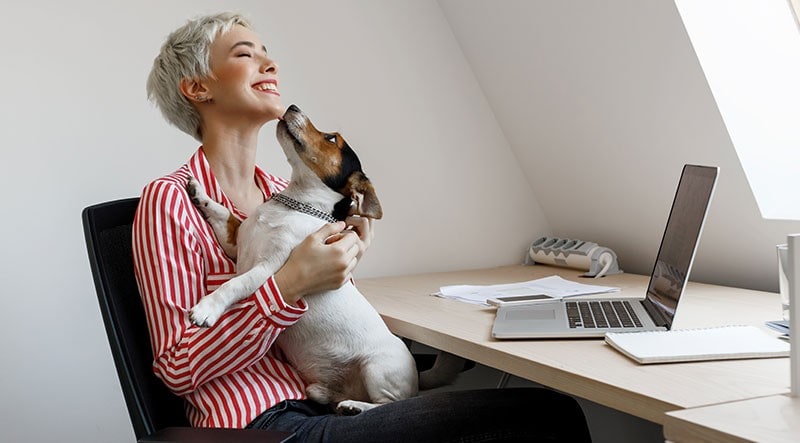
[(303, 207)]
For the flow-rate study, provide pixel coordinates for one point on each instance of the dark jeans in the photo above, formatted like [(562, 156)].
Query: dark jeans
[(508, 415)]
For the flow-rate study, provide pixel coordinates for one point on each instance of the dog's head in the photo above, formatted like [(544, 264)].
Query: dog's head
[(326, 157)]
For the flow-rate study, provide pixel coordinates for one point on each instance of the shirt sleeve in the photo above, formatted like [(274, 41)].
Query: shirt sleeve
[(171, 273)]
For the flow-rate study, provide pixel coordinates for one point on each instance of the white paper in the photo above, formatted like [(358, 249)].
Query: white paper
[(554, 286)]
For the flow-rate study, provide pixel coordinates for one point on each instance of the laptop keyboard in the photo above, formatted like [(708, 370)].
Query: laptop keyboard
[(602, 314)]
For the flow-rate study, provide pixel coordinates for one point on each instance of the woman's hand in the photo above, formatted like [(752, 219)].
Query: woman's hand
[(362, 226), (321, 262)]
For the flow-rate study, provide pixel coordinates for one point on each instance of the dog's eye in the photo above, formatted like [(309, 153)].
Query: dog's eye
[(330, 137)]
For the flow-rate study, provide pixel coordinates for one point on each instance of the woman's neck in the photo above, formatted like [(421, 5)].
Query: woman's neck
[(232, 157)]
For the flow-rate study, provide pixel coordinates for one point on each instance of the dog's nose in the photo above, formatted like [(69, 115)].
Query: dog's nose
[(293, 108)]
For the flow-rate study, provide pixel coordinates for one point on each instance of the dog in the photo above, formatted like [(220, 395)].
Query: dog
[(341, 346)]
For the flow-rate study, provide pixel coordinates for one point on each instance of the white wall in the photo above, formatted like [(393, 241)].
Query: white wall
[(602, 103), (77, 130), (580, 111)]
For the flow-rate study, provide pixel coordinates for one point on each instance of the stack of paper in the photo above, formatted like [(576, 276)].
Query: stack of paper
[(554, 286)]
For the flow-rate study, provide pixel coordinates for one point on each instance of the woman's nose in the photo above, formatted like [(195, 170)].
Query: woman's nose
[(269, 66)]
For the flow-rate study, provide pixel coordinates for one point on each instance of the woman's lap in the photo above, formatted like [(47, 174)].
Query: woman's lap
[(521, 414)]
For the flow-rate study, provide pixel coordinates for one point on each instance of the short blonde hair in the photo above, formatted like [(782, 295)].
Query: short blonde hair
[(185, 55)]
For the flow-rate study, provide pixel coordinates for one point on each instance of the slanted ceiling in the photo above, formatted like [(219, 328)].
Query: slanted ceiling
[(602, 103)]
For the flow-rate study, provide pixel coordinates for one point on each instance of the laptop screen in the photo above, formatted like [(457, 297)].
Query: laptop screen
[(679, 244)]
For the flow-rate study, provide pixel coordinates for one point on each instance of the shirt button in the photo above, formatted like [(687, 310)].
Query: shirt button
[(273, 307)]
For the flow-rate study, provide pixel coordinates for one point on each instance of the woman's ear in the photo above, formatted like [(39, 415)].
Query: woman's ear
[(194, 90)]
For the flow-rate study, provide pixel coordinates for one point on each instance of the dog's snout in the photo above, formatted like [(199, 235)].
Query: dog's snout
[(294, 118), (292, 109)]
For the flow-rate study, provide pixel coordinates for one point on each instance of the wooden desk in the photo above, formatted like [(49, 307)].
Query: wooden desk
[(587, 368), (768, 419)]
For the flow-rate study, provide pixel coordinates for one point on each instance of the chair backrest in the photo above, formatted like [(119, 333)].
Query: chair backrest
[(107, 229)]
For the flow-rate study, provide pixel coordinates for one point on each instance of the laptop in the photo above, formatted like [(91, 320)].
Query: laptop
[(594, 316)]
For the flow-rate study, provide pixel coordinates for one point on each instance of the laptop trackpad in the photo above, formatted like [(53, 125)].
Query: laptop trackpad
[(531, 314), (535, 321)]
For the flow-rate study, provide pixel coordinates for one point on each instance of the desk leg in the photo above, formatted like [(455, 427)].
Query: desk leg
[(503, 380)]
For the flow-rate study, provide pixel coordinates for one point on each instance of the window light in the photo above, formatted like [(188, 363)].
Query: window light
[(749, 51)]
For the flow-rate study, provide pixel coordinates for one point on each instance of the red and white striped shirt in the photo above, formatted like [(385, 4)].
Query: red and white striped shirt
[(228, 374)]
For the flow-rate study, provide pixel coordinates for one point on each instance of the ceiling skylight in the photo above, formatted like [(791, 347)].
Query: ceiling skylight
[(749, 51)]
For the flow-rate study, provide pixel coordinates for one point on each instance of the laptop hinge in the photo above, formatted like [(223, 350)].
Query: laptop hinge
[(655, 314)]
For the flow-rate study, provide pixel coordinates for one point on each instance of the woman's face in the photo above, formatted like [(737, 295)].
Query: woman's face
[(243, 80)]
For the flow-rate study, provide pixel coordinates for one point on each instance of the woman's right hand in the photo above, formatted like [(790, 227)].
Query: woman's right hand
[(321, 262)]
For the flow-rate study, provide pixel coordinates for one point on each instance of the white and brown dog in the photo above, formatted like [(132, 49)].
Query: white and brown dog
[(340, 346)]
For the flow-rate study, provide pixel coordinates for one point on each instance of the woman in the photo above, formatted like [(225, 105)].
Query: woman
[(214, 80)]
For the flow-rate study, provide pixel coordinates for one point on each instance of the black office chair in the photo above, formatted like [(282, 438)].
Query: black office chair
[(156, 414)]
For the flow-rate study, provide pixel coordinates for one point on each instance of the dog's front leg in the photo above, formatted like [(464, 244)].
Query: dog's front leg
[(221, 220), (211, 307)]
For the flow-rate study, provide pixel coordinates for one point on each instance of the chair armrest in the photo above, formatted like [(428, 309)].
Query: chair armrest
[(216, 435)]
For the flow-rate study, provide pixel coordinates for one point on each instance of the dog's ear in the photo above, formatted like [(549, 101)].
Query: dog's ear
[(365, 201)]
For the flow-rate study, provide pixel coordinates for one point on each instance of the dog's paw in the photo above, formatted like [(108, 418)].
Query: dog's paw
[(353, 407), (348, 407), (197, 195), (193, 188), (206, 312)]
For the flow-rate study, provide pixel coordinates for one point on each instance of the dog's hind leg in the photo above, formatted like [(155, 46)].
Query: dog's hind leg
[(224, 224), (387, 379), (319, 393)]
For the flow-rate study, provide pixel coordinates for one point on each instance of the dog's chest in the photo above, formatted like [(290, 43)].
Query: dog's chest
[(270, 234), (279, 224)]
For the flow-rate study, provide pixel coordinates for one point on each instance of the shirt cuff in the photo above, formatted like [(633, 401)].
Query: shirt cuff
[(274, 308)]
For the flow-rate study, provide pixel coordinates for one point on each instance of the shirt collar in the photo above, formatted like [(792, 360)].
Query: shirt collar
[(201, 170)]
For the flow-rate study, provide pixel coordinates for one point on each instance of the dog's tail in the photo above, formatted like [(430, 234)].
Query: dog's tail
[(445, 370)]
